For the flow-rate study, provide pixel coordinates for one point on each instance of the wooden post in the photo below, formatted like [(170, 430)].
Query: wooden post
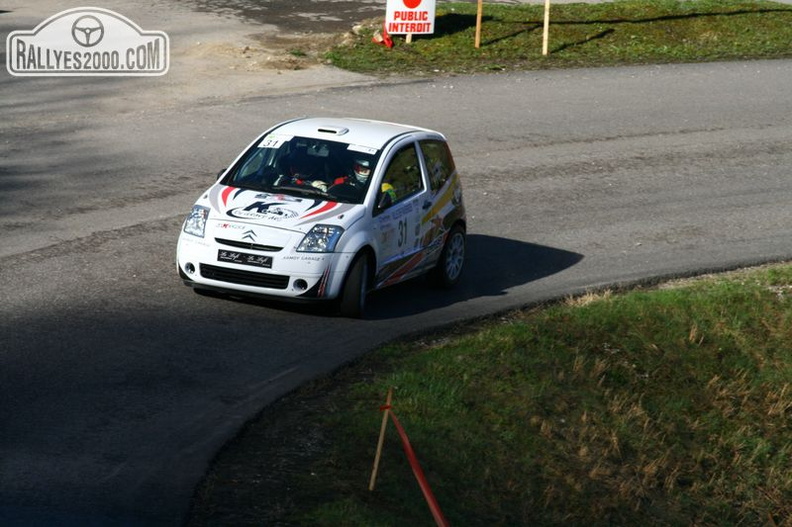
[(478, 23), (546, 35), (381, 441), (408, 38)]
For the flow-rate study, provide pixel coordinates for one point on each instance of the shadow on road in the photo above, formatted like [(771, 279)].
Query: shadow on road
[(493, 266)]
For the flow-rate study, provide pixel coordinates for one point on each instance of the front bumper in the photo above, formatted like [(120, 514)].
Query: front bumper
[(289, 274)]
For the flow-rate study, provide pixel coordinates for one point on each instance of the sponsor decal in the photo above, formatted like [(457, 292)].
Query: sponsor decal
[(304, 258), (272, 211), (452, 193), (244, 258), (435, 234), (363, 149), (234, 226), (403, 210), (280, 197), (87, 41)]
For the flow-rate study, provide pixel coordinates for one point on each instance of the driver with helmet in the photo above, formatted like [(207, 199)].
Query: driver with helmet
[(361, 170)]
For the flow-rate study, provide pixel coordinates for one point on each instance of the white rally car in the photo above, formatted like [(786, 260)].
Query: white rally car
[(328, 209)]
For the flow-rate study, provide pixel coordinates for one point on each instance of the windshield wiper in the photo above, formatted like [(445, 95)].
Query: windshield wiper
[(301, 189)]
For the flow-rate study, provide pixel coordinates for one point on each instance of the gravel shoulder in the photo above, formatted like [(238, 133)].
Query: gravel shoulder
[(215, 54)]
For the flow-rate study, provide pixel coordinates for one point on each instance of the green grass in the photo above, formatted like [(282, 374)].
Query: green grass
[(664, 407), (581, 35)]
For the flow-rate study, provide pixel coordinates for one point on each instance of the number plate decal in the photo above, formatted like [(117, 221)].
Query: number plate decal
[(244, 258)]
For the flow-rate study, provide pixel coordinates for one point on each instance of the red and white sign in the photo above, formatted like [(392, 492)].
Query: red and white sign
[(415, 17)]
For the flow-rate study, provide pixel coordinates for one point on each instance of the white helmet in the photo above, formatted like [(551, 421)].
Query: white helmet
[(362, 169)]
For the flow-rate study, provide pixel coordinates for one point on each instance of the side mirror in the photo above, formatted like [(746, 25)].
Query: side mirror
[(220, 174)]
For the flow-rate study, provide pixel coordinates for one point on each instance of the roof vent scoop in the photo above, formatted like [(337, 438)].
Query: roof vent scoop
[(335, 130)]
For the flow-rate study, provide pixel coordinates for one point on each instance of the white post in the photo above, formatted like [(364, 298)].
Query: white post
[(546, 36), (478, 23)]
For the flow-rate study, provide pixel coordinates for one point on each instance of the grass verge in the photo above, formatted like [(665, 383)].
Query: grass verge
[(662, 407), (666, 407), (581, 35)]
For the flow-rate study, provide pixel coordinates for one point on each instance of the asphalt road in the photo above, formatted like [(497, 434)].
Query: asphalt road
[(118, 384)]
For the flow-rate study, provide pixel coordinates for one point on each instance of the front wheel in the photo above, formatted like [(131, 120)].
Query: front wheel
[(353, 295), (452, 260)]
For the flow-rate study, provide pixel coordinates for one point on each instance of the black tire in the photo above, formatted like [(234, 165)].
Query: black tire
[(353, 294), (449, 266)]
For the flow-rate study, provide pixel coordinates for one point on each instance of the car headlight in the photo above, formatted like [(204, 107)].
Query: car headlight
[(321, 239), (195, 223)]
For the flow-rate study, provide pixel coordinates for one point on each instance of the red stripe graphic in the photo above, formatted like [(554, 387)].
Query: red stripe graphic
[(323, 282), (405, 268), (327, 206), (225, 193)]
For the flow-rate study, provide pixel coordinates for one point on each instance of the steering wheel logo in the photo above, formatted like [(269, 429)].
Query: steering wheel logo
[(87, 31)]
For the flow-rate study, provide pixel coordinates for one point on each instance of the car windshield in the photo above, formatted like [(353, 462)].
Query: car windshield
[(304, 166)]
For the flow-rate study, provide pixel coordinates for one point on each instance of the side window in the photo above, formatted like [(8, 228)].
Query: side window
[(402, 178), (439, 162)]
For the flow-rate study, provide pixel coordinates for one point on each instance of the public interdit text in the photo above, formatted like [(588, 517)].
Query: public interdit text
[(410, 22)]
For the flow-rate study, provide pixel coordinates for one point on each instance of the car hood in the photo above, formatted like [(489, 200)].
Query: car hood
[(277, 210)]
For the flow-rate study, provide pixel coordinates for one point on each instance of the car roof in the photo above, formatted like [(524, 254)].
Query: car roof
[(363, 132)]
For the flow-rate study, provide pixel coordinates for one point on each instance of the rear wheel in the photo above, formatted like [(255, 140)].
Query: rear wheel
[(353, 295), (452, 260)]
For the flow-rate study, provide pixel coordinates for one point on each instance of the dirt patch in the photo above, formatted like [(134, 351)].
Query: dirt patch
[(261, 52), (240, 62)]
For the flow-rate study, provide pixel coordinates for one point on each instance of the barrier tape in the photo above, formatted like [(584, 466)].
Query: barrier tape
[(434, 507)]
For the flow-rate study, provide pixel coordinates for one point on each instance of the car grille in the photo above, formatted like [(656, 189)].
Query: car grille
[(235, 276), (247, 245)]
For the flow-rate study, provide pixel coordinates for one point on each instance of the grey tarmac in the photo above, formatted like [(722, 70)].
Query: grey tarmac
[(119, 384)]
